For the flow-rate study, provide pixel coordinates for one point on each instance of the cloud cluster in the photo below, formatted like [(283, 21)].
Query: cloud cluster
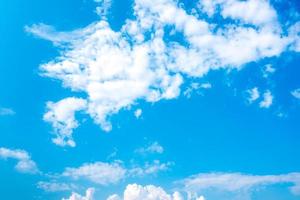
[(24, 162), (267, 97), (149, 58), (136, 192), (241, 185)]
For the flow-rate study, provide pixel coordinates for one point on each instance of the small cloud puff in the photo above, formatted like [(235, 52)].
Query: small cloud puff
[(154, 147)]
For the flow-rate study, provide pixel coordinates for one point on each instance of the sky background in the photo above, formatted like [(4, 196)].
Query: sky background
[(209, 130)]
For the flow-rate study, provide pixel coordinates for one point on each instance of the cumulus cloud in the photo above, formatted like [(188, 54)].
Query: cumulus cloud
[(116, 69), (6, 111), (89, 195), (236, 182), (267, 100), (296, 93), (154, 147), (24, 162), (149, 192)]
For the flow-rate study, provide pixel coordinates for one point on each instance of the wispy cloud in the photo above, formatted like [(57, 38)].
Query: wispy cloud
[(239, 183), (149, 169), (55, 186), (99, 172), (6, 111), (154, 147), (24, 162), (107, 173), (296, 93)]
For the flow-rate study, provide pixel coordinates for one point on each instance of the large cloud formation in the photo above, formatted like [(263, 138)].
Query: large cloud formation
[(153, 53)]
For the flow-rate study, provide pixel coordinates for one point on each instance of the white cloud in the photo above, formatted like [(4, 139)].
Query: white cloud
[(154, 147), (268, 69), (196, 87), (138, 113), (112, 173), (116, 69), (267, 101), (236, 182), (149, 192), (296, 93), (62, 117), (99, 172), (89, 195), (6, 111), (55, 186), (149, 169), (103, 7), (294, 33), (253, 94), (24, 162)]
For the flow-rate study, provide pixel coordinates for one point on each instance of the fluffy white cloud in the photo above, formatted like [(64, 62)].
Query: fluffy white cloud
[(296, 93), (89, 195), (253, 94), (6, 111), (62, 117), (24, 162), (234, 182), (149, 192), (267, 100), (99, 172), (154, 147), (115, 69)]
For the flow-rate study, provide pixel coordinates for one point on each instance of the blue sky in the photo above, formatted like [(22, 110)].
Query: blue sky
[(149, 100)]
